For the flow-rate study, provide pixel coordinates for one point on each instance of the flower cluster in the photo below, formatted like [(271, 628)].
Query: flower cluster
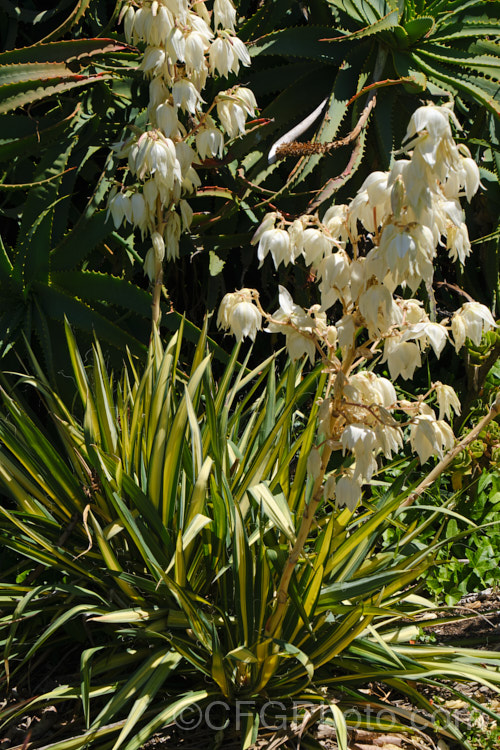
[(365, 256), (184, 44)]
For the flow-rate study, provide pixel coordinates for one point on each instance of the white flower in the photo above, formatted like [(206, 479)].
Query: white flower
[(405, 255), (372, 203), (346, 328), (209, 140), (362, 441), (238, 314), (299, 334), (335, 221), (166, 119), (469, 322), (194, 51), (232, 117), (268, 222), (334, 272), (403, 358), (185, 95), (427, 333), (224, 14), (226, 53), (429, 437), (176, 45), (458, 243), (316, 246), (379, 310), (314, 463), (172, 235), (347, 492), (447, 400), (277, 242), (120, 208), (153, 60), (389, 438), (368, 388), (140, 214), (233, 108)]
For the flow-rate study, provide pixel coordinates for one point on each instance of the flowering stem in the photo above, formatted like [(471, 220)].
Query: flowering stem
[(446, 461), (275, 620), (155, 306)]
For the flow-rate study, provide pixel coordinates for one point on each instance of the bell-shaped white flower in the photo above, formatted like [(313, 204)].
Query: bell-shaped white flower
[(194, 51), (238, 313), (185, 95), (429, 437), (361, 440), (209, 141), (233, 109), (140, 212), (469, 322), (458, 243), (316, 246), (370, 389), (224, 14), (334, 272), (447, 400), (379, 310), (402, 358), (346, 330), (277, 242), (166, 118), (335, 220), (120, 208), (298, 329), (153, 60), (347, 492), (427, 333)]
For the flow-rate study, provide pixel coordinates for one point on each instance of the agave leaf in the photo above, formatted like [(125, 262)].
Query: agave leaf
[(12, 143), (57, 304), (389, 21), (462, 83), (26, 185), (31, 72), (419, 27), (300, 41), (76, 14), (23, 93), (61, 52)]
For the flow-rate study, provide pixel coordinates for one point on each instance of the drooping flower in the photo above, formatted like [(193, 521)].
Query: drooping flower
[(470, 321), (429, 437), (299, 334), (239, 314), (447, 400)]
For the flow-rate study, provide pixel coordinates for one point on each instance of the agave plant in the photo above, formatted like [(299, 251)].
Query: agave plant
[(148, 535), (379, 50)]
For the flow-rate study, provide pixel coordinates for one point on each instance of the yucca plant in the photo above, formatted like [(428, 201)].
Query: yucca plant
[(148, 535)]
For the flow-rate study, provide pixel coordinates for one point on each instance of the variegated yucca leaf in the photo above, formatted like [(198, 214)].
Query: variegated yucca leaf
[(156, 508)]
